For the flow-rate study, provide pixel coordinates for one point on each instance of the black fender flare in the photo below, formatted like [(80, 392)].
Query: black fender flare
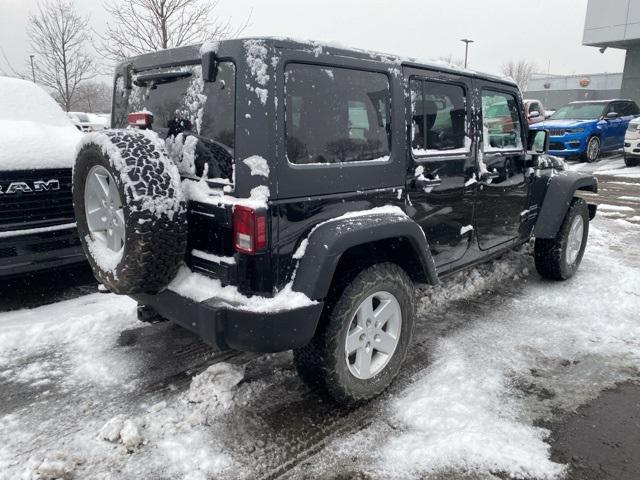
[(329, 240), (560, 191)]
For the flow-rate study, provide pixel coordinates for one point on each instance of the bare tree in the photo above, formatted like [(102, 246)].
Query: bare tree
[(58, 37), (141, 26), (458, 62), (520, 71), (92, 97)]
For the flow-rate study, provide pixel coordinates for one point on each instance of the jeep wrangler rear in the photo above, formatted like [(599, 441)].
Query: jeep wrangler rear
[(271, 195)]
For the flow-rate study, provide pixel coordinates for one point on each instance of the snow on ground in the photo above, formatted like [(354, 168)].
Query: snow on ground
[(506, 366), (497, 350)]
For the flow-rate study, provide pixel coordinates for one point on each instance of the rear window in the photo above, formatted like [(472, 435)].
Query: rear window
[(336, 115), (182, 103)]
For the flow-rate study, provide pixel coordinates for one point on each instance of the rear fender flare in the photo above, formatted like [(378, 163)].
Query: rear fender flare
[(328, 241)]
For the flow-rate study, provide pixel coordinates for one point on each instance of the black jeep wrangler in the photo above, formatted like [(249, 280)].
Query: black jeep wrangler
[(270, 195)]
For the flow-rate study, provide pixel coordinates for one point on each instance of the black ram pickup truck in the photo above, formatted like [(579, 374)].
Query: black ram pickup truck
[(270, 195), (37, 151)]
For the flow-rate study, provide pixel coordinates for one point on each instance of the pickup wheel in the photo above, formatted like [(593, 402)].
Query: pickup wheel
[(363, 337), (592, 150), (559, 258), (130, 210), (631, 162)]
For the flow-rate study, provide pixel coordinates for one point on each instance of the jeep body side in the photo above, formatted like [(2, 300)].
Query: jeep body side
[(372, 160)]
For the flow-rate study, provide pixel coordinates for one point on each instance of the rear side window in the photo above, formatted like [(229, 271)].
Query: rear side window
[(501, 128), (438, 118), (336, 115)]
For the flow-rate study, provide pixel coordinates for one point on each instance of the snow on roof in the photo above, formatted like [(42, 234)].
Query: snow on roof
[(35, 131)]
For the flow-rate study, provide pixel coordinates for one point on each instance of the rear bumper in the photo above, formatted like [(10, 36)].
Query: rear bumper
[(26, 253), (225, 327)]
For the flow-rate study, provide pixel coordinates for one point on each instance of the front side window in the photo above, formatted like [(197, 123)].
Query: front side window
[(438, 118), (336, 115), (501, 129), (534, 107)]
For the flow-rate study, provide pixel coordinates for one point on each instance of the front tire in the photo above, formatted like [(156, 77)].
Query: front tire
[(631, 162), (560, 257), (592, 151), (363, 338)]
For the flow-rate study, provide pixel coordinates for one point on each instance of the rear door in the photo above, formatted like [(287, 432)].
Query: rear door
[(502, 194), (441, 161)]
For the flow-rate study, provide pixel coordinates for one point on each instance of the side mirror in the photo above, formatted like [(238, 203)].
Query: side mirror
[(538, 142), (611, 116), (534, 114), (209, 66)]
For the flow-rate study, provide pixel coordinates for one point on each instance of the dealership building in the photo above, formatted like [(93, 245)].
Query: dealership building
[(616, 24)]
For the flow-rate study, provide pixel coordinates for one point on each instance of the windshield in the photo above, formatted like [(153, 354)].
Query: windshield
[(182, 105), (579, 111)]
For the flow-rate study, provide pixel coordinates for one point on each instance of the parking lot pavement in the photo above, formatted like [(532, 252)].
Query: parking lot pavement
[(501, 362)]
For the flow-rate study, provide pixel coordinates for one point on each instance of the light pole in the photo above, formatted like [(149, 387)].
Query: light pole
[(466, 50), (33, 72)]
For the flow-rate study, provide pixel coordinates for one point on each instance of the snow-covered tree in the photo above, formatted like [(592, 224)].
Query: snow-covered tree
[(520, 71), (59, 37), (141, 26)]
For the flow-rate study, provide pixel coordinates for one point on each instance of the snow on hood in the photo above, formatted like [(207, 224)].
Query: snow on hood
[(35, 132), (568, 123)]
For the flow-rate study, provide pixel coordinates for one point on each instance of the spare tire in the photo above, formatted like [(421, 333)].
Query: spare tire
[(130, 210)]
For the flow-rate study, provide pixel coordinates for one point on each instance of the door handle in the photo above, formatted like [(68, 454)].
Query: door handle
[(423, 183)]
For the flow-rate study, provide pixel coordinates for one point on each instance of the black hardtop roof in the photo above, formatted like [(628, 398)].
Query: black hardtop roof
[(191, 53)]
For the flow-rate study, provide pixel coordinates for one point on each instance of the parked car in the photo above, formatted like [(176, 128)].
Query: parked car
[(37, 151), (586, 129), (632, 144), (87, 122), (535, 112), (270, 198)]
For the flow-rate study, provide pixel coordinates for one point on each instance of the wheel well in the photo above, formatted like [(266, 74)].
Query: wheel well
[(592, 207), (395, 250)]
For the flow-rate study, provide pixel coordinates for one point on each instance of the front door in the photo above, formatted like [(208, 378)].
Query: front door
[(440, 195), (502, 195)]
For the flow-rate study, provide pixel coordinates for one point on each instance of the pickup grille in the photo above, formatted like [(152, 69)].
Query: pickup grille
[(24, 210)]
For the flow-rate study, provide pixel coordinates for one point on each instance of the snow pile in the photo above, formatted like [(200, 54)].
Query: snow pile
[(182, 151), (200, 287), (177, 432), (82, 331), (467, 411), (201, 191), (258, 166), (257, 61), (35, 131)]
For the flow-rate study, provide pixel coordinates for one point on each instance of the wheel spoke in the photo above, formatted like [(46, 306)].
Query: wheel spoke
[(97, 219), (103, 183), (365, 312), (385, 343), (363, 361), (384, 312), (353, 340)]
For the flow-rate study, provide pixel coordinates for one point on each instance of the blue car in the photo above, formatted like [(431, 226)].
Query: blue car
[(585, 129)]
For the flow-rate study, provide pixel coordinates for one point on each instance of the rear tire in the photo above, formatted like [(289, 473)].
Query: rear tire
[(560, 257), (592, 150), (631, 162), (134, 171), (325, 360)]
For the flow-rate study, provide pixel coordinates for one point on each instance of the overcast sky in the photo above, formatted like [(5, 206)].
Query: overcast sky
[(543, 31)]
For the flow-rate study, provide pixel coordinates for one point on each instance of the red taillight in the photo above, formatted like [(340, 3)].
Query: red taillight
[(140, 119), (249, 230)]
